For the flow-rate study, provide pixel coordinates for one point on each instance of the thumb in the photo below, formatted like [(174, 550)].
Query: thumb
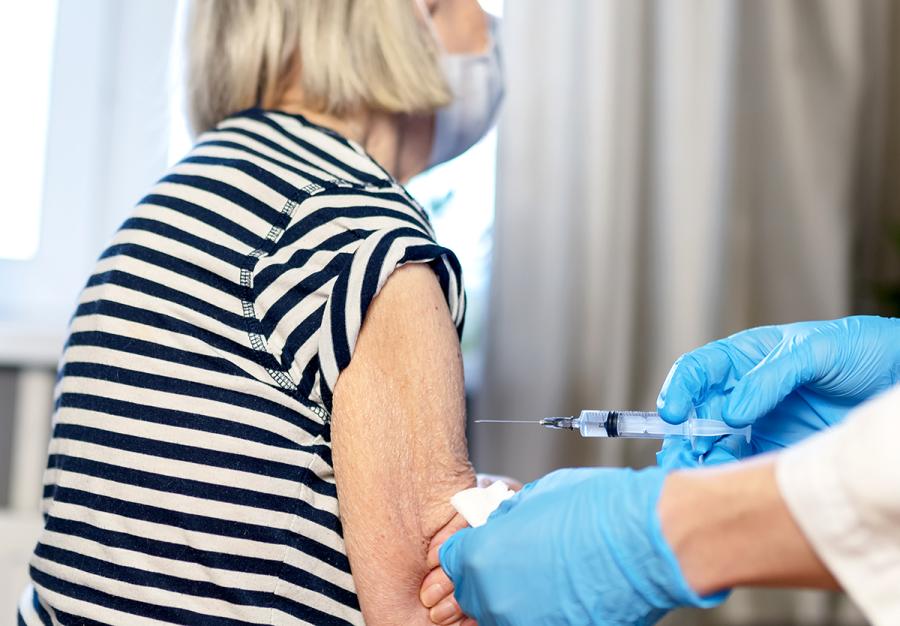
[(676, 453), (726, 450), (452, 554), (763, 388)]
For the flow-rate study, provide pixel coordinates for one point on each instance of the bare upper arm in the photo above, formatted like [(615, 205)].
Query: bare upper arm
[(398, 437)]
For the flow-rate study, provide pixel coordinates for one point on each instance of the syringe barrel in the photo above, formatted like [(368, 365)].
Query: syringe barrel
[(646, 425), (649, 425), (630, 424), (593, 424)]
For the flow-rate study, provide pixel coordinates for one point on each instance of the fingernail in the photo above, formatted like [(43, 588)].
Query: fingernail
[(433, 595), (443, 612)]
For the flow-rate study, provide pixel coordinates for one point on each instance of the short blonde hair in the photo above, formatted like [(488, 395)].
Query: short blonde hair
[(352, 53)]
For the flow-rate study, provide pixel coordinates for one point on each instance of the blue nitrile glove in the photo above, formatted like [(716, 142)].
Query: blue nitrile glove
[(788, 381), (579, 546)]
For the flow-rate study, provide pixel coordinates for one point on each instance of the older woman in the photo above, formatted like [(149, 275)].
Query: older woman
[(274, 331)]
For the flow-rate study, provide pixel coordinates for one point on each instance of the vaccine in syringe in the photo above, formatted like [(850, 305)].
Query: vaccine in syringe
[(641, 425), (636, 425)]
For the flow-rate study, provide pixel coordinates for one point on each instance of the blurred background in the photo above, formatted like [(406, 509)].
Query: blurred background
[(664, 173)]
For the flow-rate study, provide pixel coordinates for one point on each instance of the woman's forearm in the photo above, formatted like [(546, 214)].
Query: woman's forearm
[(729, 526)]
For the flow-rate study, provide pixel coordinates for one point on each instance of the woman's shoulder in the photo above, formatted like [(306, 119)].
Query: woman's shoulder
[(293, 145), (313, 287), (260, 173), (357, 209)]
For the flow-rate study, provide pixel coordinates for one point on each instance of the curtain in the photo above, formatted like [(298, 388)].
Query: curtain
[(668, 173)]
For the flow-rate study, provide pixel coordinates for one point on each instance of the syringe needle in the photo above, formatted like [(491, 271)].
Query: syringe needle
[(507, 421)]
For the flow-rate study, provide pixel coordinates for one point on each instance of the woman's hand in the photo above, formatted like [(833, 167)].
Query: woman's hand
[(437, 589), (436, 592)]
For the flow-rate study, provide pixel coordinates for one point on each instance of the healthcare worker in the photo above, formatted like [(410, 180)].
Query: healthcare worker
[(618, 546)]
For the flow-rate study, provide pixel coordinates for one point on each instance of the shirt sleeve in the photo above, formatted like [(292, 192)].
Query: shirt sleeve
[(843, 489), (314, 288), (377, 255)]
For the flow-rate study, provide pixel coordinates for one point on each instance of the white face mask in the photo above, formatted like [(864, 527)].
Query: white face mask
[(476, 81)]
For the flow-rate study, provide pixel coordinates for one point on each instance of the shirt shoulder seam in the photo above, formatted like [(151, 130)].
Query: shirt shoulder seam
[(258, 342)]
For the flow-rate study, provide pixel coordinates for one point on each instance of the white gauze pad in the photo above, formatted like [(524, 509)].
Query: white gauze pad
[(477, 503)]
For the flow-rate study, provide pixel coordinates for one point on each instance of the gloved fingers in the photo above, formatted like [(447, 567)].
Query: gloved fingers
[(692, 377), (452, 554), (676, 453), (553, 479), (526, 488), (726, 450), (701, 445), (789, 366)]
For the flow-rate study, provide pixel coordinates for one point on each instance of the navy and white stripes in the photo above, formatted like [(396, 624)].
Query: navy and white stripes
[(189, 476)]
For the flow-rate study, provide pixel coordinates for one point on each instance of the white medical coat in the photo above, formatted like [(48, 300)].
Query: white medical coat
[(843, 488)]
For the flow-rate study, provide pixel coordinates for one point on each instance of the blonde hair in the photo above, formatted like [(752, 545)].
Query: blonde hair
[(352, 53)]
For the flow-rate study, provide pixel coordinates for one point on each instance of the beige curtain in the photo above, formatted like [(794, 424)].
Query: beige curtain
[(670, 172)]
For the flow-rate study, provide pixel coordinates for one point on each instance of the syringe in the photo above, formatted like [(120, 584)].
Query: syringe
[(641, 425), (635, 425)]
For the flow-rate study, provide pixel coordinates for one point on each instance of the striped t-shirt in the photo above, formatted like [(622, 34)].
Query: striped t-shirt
[(189, 477)]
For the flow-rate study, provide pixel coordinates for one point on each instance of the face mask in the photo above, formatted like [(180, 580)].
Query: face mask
[(476, 81)]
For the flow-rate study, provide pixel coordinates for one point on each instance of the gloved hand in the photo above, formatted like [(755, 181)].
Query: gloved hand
[(788, 381), (579, 546)]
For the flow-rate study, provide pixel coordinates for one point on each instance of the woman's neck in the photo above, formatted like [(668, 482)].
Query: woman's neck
[(401, 144)]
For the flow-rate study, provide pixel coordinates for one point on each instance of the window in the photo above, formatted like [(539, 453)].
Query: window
[(26, 58), (81, 145), (459, 195), (179, 133)]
